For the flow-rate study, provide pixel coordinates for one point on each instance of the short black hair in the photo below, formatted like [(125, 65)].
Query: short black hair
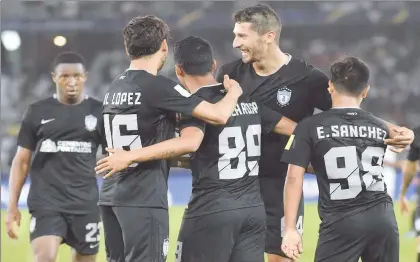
[(144, 35), (350, 75), (194, 55), (262, 17), (68, 58)]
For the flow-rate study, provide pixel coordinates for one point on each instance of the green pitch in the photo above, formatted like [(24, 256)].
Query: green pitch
[(20, 250)]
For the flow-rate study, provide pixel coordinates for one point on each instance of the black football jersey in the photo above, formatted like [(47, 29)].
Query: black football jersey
[(64, 140), (225, 167), (139, 111), (414, 151), (346, 149), (295, 90)]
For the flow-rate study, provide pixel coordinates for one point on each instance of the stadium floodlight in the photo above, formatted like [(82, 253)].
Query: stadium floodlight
[(60, 40), (11, 40)]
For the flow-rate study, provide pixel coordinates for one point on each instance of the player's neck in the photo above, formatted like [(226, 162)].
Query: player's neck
[(148, 64), (195, 83), (271, 63), (66, 101), (345, 101)]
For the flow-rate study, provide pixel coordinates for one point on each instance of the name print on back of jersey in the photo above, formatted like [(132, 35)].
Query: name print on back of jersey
[(344, 131), (123, 98), (245, 109)]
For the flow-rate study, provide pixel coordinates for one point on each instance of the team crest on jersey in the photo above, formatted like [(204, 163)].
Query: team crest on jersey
[(165, 247), (283, 96), (90, 122)]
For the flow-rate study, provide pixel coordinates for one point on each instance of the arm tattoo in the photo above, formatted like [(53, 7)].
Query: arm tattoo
[(291, 180), (164, 155)]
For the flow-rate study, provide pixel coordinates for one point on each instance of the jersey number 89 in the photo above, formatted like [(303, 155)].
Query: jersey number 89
[(114, 139), (232, 147), (341, 163)]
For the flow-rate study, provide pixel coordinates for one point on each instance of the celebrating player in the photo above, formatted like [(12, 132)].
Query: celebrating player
[(62, 133), (346, 148), (139, 111), (287, 85), (410, 169)]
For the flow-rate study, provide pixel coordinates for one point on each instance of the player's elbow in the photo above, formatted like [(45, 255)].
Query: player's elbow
[(192, 145)]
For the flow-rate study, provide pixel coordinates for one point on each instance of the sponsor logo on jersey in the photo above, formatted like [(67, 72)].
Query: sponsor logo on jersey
[(91, 122), (283, 96), (49, 146)]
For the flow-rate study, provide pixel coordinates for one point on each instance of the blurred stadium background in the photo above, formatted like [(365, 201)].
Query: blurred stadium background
[(385, 34)]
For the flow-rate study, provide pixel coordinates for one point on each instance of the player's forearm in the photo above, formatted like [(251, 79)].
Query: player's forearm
[(285, 126), (170, 148), (18, 174), (293, 193), (409, 171)]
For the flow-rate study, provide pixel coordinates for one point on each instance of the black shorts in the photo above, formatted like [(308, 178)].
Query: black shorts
[(272, 189), (228, 236), (371, 235), (81, 232), (135, 234)]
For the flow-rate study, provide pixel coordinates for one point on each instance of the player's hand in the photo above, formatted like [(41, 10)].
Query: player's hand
[(292, 244), (402, 137), (117, 160), (404, 205), (13, 218), (232, 86)]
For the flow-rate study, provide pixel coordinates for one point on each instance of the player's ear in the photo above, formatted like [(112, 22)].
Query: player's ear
[(271, 37), (54, 77), (365, 91), (178, 71), (330, 87), (214, 65), (164, 46)]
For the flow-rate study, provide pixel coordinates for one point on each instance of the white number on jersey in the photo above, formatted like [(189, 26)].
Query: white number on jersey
[(114, 139), (347, 158), (239, 151)]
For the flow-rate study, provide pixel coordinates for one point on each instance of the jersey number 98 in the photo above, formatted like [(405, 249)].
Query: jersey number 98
[(342, 163)]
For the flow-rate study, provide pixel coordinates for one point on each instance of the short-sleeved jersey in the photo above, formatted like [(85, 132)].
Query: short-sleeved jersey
[(346, 149), (64, 140), (225, 167), (139, 111), (414, 151), (295, 90)]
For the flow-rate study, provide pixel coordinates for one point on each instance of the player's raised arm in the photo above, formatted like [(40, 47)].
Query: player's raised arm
[(19, 172)]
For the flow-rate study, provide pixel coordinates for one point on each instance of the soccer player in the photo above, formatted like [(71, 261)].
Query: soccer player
[(139, 111), (226, 196), (410, 169), (288, 85), (346, 148), (62, 134)]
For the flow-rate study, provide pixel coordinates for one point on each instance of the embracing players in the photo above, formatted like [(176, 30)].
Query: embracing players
[(346, 148), (57, 145), (139, 111), (226, 211), (410, 169), (287, 85)]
